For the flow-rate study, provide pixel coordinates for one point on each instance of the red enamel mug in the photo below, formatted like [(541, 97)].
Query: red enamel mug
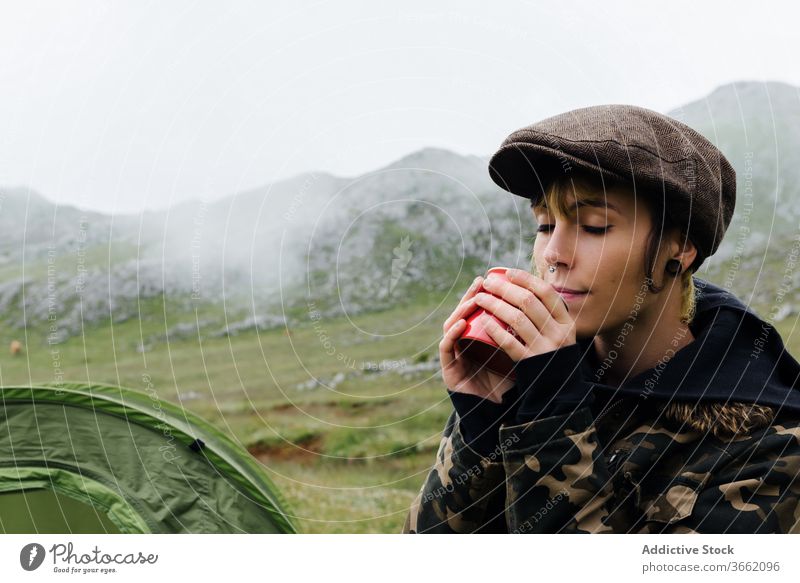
[(476, 345)]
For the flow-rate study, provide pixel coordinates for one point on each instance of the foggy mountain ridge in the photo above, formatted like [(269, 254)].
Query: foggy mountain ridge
[(350, 244)]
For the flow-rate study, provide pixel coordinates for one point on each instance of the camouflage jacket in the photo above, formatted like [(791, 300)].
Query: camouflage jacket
[(719, 453), (631, 471)]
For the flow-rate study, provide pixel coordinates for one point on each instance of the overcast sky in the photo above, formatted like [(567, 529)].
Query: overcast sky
[(119, 106)]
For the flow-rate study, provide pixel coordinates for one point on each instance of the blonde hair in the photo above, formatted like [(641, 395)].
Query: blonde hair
[(579, 184)]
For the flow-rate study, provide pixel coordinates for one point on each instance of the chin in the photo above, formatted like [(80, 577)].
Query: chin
[(584, 332), (589, 329)]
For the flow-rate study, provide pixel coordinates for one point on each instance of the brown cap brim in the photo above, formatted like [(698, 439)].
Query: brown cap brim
[(526, 169)]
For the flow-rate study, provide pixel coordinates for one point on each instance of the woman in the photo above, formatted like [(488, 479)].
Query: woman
[(645, 399)]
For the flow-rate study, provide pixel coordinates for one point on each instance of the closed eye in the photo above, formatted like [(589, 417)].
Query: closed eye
[(592, 230)]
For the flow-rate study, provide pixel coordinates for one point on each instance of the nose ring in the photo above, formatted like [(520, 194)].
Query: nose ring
[(552, 269)]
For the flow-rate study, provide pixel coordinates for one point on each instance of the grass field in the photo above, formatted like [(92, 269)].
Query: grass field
[(349, 451)]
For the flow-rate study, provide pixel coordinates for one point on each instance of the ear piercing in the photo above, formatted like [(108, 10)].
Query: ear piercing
[(674, 267)]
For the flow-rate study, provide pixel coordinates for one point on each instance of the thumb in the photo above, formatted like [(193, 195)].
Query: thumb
[(447, 349)]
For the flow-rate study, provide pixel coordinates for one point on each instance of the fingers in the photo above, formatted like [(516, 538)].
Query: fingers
[(465, 306), (517, 303), (447, 345), (544, 291), (505, 340), (555, 305), (462, 311), (515, 318)]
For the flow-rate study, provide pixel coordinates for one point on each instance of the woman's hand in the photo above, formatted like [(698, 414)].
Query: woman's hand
[(533, 309), (459, 374)]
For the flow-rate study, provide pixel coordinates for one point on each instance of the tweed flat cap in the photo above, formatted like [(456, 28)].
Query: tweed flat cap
[(659, 156)]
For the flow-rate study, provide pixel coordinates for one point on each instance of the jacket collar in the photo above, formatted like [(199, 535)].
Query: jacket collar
[(736, 357)]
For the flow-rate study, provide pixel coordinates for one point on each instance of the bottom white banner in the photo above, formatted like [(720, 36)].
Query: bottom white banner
[(356, 558)]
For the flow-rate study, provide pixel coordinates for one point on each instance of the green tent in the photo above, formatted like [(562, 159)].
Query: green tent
[(77, 458)]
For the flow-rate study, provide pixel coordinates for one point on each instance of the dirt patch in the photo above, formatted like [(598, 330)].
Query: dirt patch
[(306, 449)]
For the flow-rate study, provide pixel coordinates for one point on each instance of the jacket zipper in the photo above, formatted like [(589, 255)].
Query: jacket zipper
[(615, 460), (608, 410), (618, 455)]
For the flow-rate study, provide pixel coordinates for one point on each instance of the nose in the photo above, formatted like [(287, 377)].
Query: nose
[(560, 246)]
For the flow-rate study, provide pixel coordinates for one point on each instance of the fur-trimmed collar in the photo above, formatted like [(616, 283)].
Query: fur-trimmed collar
[(723, 420)]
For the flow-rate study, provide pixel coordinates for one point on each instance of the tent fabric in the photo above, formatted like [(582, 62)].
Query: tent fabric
[(78, 486), (150, 466), (55, 514)]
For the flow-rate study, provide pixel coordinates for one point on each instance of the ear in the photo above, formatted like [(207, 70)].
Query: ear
[(685, 255)]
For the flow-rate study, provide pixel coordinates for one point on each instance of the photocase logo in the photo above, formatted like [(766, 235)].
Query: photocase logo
[(402, 257), (31, 556)]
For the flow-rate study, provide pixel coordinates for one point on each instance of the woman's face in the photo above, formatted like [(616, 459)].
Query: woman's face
[(599, 250)]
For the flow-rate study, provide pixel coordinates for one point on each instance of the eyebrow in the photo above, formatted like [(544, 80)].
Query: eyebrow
[(590, 202)]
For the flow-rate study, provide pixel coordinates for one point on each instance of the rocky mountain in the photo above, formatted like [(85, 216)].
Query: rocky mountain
[(757, 126), (421, 225), (339, 243)]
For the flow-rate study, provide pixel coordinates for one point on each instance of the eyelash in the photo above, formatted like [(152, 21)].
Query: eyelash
[(588, 229)]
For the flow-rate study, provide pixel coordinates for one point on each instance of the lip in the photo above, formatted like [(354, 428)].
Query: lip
[(570, 295), (566, 290)]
